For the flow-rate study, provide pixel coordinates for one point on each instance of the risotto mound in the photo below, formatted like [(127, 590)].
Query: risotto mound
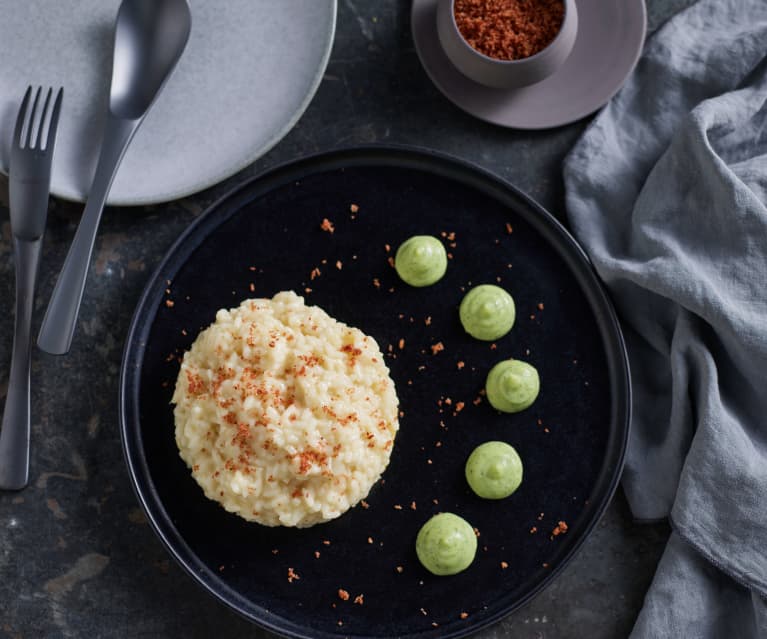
[(284, 415)]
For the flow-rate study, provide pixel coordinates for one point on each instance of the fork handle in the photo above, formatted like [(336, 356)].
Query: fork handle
[(61, 315), (14, 436)]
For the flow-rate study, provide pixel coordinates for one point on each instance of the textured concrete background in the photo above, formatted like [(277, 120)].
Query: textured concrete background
[(77, 558)]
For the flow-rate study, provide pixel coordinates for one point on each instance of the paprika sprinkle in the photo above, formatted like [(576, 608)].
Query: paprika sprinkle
[(509, 29)]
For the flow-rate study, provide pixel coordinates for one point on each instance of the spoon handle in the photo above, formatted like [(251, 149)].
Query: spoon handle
[(61, 315)]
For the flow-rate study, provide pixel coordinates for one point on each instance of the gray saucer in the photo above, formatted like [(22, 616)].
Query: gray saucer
[(248, 73), (609, 41)]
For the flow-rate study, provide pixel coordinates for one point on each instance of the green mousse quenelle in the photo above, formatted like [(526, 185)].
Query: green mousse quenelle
[(421, 260), (494, 470), (487, 312), (446, 544), (512, 385)]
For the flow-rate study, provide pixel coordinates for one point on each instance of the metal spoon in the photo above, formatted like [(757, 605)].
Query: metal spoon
[(150, 36)]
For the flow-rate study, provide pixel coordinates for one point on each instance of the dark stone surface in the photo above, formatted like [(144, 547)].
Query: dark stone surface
[(77, 558)]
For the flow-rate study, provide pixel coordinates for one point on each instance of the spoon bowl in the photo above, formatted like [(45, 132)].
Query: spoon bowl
[(149, 39)]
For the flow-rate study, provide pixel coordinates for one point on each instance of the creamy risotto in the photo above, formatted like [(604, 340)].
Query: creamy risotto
[(286, 416)]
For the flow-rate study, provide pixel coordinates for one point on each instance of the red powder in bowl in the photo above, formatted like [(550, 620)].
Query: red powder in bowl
[(509, 29)]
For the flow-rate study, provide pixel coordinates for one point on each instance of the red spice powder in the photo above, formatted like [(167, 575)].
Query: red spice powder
[(509, 29)]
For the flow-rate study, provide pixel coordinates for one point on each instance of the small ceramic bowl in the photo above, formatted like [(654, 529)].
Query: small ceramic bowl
[(505, 74)]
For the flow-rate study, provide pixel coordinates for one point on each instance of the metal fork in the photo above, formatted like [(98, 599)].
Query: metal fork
[(29, 182)]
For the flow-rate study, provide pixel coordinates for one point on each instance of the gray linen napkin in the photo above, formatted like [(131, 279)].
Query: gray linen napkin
[(667, 191)]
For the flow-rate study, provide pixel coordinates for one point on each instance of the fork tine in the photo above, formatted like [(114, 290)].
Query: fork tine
[(43, 115), (20, 118), (54, 119), (32, 114)]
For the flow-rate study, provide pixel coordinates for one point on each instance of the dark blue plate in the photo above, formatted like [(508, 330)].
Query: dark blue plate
[(266, 236)]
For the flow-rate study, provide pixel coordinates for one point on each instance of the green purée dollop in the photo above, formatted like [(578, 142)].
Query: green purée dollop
[(487, 312), (446, 544), (421, 260), (494, 470)]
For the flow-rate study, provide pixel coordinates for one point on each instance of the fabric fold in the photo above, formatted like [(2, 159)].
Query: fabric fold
[(667, 191)]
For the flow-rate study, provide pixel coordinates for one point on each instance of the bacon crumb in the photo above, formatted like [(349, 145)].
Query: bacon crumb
[(493, 346), (275, 551), (359, 600), (412, 505), (221, 568), (504, 565), (459, 407), (376, 282), (390, 260), (463, 615), (252, 287), (364, 504), (387, 248), (354, 208), (316, 554), (434, 624), (315, 273), (370, 540), (343, 595), (170, 303), (397, 507), (509, 229), (477, 401), (534, 530), (559, 529), (326, 542), (399, 569), (423, 612), (183, 332), (327, 225), (401, 343), (436, 348), (307, 290), (339, 264), (460, 365), (427, 321), (292, 574), (540, 306)]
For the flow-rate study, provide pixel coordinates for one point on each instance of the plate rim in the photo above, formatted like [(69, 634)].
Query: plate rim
[(256, 153), (145, 314)]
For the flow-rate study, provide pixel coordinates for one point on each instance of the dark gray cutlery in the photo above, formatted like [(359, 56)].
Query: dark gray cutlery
[(29, 183), (150, 36)]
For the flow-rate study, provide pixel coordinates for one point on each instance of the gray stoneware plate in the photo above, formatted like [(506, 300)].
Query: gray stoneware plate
[(609, 41), (248, 73)]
